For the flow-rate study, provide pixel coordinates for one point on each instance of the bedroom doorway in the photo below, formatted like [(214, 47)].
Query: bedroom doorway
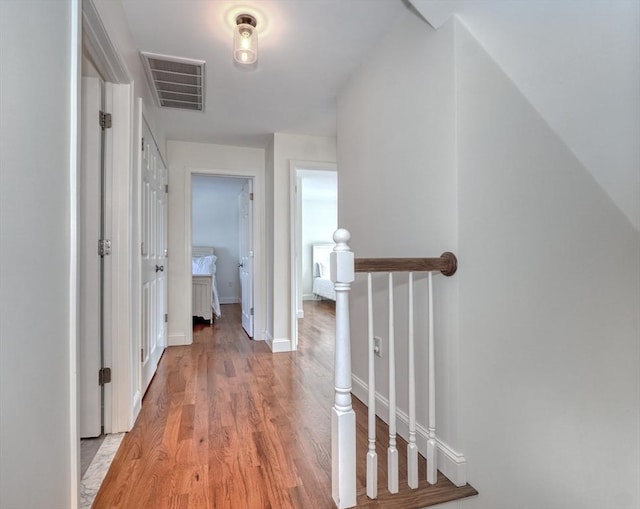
[(314, 211), (222, 223)]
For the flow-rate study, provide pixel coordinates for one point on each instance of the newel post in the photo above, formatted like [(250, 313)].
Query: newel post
[(343, 418)]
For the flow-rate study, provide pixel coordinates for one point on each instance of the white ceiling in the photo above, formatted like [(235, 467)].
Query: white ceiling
[(307, 51)]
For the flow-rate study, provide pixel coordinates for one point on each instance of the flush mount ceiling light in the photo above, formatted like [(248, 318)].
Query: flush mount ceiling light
[(245, 40)]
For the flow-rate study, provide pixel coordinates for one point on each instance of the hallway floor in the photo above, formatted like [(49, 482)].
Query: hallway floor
[(226, 424)]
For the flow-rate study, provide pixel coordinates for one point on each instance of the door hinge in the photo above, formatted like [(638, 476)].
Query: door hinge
[(105, 120), (166, 317), (142, 355), (142, 144), (166, 188), (251, 312), (104, 376), (104, 247), (251, 196)]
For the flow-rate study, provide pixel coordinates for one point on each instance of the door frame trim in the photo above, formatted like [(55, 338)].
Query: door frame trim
[(295, 225), (119, 407), (259, 302)]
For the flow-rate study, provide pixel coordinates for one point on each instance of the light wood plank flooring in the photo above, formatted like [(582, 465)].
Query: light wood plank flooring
[(227, 424)]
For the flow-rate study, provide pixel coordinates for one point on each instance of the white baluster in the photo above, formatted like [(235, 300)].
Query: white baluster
[(392, 453), (372, 456), (412, 448), (432, 464), (343, 418)]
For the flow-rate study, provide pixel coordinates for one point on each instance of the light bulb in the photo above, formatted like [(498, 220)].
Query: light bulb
[(245, 40)]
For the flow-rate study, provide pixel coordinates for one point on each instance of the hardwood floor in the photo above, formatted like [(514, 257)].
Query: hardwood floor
[(227, 424)]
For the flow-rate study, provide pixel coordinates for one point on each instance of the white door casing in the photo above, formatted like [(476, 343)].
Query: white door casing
[(153, 252), (90, 280), (295, 238), (246, 256)]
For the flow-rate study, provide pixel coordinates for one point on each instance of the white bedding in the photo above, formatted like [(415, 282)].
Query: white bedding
[(206, 266), (322, 284), (324, 288)]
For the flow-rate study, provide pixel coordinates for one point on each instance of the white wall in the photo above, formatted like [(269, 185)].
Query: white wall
[(549, 301), (185, 158), (537, 334), (37, 200), (287, 147), (397, 192), (563, 54), (319, 221), (215, 222), (268, 237)]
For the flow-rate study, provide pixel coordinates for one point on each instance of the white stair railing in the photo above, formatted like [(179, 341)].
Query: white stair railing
[(343, 268), (343, 418)]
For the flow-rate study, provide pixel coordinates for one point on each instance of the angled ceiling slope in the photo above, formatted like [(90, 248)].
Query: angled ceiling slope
[(578, 63)]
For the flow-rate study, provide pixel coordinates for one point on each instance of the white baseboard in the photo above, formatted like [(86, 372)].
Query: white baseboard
[(279, 345), (451, 463), (177, 339), (229, 300), (300, 313), (308, 296)]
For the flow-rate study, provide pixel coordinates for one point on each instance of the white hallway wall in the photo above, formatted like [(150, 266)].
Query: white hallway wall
[(183, 157), (215, 222), (538, 332), (286, 147), (397, 194), (545, 245), (37, 195)]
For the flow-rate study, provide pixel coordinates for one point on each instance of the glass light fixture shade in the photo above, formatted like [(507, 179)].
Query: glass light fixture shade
[(245, 40)]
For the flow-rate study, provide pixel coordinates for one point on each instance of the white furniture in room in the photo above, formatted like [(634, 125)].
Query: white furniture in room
[(322, 284), (204, 289)]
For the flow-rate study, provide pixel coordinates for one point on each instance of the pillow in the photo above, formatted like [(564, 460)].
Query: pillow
[(323, 271), (203, 265)]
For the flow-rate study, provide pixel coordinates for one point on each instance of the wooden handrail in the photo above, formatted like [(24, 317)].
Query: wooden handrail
[(447, 264)]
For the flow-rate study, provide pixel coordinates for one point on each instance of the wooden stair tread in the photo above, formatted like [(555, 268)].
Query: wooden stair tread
[(424, 495)]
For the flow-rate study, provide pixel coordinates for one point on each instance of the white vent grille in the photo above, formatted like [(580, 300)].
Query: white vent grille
[(176, 82)]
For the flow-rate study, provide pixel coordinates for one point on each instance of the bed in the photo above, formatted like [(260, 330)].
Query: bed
[(322, 284), (204, 289)]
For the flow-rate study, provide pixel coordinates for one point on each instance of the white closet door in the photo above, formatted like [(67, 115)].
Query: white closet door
[(246, 256), (153, 252), (90, 271)]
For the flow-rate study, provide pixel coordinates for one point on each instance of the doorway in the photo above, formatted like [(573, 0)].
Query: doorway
[(222, 228), (314, 202)]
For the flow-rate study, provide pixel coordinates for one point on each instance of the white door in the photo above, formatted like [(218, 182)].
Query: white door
[(246, 256), (90, 276), (153, 252)]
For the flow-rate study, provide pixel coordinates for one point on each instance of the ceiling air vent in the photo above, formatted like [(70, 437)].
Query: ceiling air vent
[(176, 82)]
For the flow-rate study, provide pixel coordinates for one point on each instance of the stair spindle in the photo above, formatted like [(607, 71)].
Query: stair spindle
[(392, 454), (432, 465), (372, 456), (412, 447)]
